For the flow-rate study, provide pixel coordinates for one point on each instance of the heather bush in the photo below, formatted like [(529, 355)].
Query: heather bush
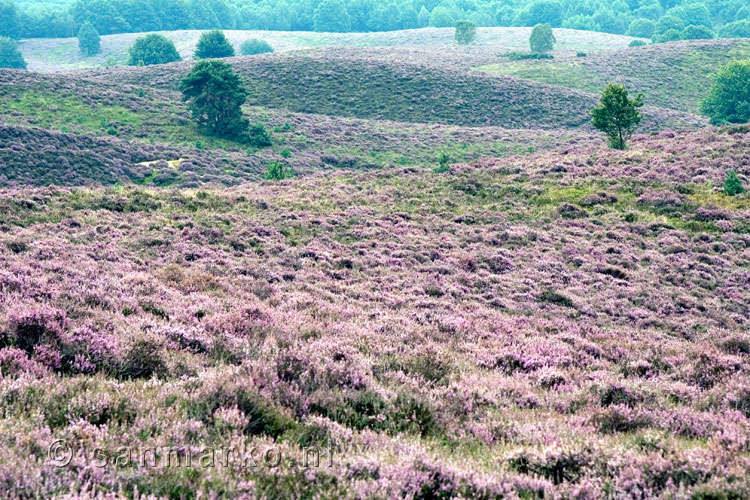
[(143, 358), (255, 46)]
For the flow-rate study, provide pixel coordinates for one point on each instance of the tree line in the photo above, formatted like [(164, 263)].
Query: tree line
[(661, 20)]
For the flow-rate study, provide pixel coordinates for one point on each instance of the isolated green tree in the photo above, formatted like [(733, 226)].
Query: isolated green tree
[(276, 171), (255, 46), (466, 32), (733, 184), (215, 95), (728, 100), (152, 49), (331, 16), (88, 39), (212, 45), (617, 115), (542, 39), (10, 56)]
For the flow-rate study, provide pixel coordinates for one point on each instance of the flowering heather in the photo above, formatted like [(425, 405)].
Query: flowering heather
[(569, 324)]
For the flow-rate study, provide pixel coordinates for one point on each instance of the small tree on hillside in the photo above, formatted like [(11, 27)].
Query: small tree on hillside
[(152, 49), (215, 95), (212, 45), (466, 32), (10, 56), (617, 115), (255, 46), (88, 39), (728, 101), (733, 184), (542, 39)]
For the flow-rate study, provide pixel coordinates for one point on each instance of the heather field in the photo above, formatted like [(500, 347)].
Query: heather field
[(462, 293), (569, 324)]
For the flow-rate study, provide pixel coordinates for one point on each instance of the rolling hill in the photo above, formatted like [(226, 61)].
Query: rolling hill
[(675, 75)]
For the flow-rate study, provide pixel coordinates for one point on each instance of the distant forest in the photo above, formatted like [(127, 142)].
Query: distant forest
[(662, 20)]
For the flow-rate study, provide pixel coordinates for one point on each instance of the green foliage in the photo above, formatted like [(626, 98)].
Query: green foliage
[(736, 29), (643, 28), (617, 115), (637, 43), (212, 45), (88, 39), (255, 46), (542, 40), (542, 12), (671, 35), (441, 17), (10, 25), (697, 33), (522, 56), (215, 95), (276, 171), (332, 16), (444, 163), (733, 184), (728, 100), (10, 56), (581, 22), (152, 49), (466, 32), (258, 137)]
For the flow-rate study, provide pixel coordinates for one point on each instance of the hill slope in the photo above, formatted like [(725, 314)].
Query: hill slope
[(563, 324), (674, 75), (62, 54), (395, 85)]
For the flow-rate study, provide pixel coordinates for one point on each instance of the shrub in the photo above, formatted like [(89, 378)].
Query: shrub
[(733, 184), (216, 95), (258, 137), (255, 46), (617, 115), (39, 326), (581, 54), (542, 39), (466, 32), (142, 359), (444, 163), (152, 49), (728, 100), (10, 56), (213, 44), (520, 56), (637, 43), (277, 171), (88, 39)]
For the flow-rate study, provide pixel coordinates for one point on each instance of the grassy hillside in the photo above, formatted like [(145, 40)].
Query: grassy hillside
[(400, 86), (63, 54), (566, 324), (109, 128), (674, 75)]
